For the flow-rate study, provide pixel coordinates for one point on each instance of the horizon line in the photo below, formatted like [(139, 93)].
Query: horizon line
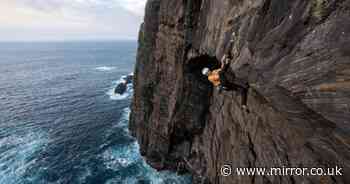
[(72, 40)]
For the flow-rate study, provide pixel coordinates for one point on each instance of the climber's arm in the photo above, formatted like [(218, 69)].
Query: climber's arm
[(225, 63)]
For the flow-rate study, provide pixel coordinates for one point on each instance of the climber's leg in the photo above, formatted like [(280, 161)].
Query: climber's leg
[(225, 82)]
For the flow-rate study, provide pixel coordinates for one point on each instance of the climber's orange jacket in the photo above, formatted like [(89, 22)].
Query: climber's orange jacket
[(214, 77)]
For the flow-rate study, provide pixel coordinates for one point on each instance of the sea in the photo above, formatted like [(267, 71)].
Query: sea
[(60, 121)]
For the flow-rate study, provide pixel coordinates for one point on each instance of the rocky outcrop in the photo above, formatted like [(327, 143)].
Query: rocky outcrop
[(121, 88), (123, 85), (295, 55)]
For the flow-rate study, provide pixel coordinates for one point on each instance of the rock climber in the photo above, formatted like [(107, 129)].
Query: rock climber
[(223, 79)]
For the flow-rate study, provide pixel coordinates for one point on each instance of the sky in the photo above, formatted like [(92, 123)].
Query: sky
[(30, 20)]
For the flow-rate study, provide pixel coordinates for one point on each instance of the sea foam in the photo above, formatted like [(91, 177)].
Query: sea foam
[(105, 68), (118, 158), (16, 156)]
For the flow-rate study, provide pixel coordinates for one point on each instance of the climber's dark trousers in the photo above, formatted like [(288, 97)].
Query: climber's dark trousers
[(231, 86)]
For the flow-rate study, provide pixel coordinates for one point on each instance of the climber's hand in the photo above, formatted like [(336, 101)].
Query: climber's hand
[(223, 59)]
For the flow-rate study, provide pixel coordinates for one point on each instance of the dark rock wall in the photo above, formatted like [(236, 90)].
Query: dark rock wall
[(295, 55)]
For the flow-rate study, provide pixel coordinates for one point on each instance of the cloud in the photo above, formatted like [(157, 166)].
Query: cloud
[(60, 19), (135, 6)]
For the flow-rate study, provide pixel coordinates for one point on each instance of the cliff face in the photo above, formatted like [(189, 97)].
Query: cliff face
[(295, 55)]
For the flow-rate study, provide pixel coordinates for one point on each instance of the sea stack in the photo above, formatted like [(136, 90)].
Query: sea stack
[(298, 54)]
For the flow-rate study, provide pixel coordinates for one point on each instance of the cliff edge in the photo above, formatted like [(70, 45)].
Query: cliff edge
[(295, 55)]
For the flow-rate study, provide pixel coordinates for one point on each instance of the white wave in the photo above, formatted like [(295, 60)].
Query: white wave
[(16, 150), (124, 119), (105, 68), (126, 114), (163, 177), (117, 158)]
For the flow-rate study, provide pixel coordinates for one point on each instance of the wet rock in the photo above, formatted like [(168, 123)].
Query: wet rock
[(121, 88), (298, 57)]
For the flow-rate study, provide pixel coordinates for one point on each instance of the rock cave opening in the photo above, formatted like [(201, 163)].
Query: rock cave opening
[(191, 116), (197, 96), (195, 65)]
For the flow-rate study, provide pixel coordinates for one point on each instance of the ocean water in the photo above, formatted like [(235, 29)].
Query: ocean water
[(61, 123)]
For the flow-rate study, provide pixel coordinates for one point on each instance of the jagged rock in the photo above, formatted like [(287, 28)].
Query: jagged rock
[(298, 53), (121, 88)]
